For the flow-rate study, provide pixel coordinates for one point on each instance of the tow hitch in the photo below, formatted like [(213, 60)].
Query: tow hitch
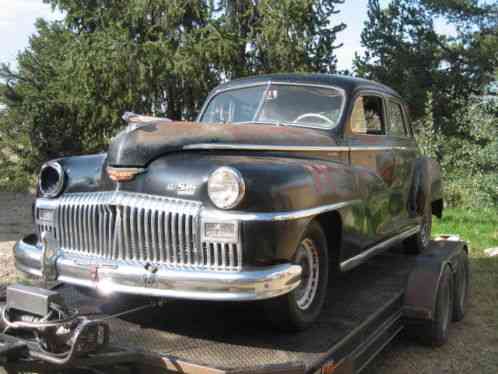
[(37, 325)]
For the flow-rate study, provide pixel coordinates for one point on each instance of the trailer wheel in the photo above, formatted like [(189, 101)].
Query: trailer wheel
[(461, 287), (300, 308), (435, 332)]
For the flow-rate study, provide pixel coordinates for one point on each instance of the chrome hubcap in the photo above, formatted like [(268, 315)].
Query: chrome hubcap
[(307, 257)]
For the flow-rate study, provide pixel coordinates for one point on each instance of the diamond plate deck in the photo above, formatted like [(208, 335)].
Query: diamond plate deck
[(234, 337)]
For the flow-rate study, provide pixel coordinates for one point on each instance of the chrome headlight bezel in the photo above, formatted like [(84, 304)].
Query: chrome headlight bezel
[(56, 186), (237, 180)]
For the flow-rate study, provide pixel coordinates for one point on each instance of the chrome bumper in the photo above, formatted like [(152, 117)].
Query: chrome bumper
[(133, 278)]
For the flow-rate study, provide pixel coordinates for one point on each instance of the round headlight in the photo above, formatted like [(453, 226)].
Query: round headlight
[(51, 180), (226, 187)]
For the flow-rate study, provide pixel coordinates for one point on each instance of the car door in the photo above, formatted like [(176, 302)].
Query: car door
[(373, 160), (405, 152)]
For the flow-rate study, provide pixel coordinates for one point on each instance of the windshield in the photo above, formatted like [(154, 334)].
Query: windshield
[(298, 105)]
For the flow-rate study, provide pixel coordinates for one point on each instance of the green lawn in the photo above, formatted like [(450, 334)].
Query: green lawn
[(479, 227), (473, 342)]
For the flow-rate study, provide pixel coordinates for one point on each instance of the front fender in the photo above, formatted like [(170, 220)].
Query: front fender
[(85, 173), (283, 196)]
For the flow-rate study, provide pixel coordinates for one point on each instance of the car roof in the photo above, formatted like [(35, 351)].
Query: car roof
[(347, 83)]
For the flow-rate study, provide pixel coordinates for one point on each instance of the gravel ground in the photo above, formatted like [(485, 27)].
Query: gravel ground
[(15, 221), (473, 345)]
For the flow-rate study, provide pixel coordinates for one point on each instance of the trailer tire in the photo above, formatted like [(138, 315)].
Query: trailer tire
[(461, 287), (298, 309), (434, 332)]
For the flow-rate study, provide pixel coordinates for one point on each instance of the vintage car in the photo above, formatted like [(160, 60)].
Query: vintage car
[(281, 181)]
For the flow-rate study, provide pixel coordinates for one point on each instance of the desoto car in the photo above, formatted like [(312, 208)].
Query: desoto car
[(281, 181)]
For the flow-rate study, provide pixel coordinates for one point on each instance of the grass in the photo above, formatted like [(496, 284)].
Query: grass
[(479, 227), (473, 342)]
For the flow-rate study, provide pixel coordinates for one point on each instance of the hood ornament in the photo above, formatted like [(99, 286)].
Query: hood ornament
[(135, 120)]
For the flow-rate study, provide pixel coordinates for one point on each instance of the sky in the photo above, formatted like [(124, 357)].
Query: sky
[(17, 18)]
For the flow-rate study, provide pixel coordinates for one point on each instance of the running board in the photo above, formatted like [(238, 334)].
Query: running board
[(376, 249)]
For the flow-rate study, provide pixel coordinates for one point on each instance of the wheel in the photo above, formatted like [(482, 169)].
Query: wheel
[(435, 332), (300, 308), (417, 243), (461, 293), (420, 204)]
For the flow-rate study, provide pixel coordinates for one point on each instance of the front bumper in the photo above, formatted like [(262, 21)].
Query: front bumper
[(136, 278)]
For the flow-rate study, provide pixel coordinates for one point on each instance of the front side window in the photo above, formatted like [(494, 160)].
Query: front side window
[(298, 105), (396, 120), (368, 116)]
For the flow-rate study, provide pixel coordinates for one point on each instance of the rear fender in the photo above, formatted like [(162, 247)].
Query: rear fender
[(426, 186)]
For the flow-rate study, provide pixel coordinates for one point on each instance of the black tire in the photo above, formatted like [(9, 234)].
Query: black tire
[(420, 205), (419, 242), (461, 283), (298, 309), (434, 332)]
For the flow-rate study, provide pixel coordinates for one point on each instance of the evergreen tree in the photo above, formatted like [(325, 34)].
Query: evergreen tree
[(402, 51), (405, 52), (159, 57)]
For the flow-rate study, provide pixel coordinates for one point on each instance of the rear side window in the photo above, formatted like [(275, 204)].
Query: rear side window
[(397, 125), (368, 116)]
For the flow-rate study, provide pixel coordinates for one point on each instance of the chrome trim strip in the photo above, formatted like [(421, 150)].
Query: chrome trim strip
[(133, 278), (362, 257), (375, 148), (44, 203), (263, 147), (286, 148), (275, 216)]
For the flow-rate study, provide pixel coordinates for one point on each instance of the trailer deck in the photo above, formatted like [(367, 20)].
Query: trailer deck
[(363, 312)]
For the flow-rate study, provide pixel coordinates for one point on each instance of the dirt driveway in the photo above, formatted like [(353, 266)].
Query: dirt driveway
[(15, 221), (473, 346)]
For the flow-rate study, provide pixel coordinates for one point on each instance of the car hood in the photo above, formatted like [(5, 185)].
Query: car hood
[(144, 144)]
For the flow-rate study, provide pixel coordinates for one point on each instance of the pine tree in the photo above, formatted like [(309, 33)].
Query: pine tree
[(404, 51), (158, 57)]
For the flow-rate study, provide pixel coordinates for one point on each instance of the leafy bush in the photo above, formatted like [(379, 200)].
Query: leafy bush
[(469, 158)]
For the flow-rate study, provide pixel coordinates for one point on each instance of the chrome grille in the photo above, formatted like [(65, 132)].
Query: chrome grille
[(139, 227), (216, 255)]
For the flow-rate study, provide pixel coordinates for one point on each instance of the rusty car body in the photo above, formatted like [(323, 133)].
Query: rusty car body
[(281, 181)]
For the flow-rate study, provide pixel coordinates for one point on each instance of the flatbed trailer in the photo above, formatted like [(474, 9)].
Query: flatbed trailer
[(365, 309)]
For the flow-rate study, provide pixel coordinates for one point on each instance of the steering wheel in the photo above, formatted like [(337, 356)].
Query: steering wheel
[(314, 115)]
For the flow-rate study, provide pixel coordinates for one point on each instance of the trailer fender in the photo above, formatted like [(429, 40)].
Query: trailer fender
[(423, 281)]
